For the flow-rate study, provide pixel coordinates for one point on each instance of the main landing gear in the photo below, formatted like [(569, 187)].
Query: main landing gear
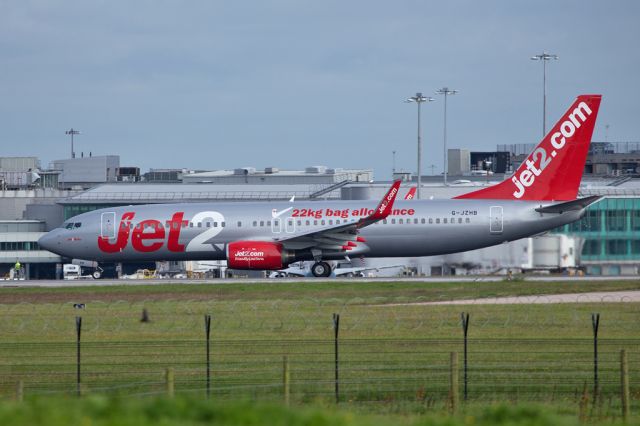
[(321, 269)]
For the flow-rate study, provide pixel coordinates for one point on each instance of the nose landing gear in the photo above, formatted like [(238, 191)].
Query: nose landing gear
[(321, 269)]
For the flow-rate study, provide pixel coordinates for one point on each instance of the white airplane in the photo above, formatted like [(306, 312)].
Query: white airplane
[(540, 196)]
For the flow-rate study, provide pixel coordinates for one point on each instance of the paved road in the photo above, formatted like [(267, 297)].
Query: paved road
[(112, 282), (632, 296)]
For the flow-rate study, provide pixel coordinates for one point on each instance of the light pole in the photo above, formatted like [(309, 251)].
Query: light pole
[(544, 57), (393, 170), (418, 98), (446, 92), (72, 132)]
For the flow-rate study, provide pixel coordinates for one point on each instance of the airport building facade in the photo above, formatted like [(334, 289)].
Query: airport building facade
[(607, 239)]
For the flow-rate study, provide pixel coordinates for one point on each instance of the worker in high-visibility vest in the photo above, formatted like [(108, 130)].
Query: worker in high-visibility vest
[(17, 268)]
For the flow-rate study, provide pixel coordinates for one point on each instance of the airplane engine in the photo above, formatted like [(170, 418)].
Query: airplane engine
[(257, 255)]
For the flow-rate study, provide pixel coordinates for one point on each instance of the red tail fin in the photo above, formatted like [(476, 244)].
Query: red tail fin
[(554, 169), (411, 193)]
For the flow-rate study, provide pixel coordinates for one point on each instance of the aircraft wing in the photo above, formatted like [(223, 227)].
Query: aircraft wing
[(345, 236)]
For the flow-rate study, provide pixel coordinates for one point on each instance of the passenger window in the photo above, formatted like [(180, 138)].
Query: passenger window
[(190, 224), (322, 222), (330, 221), (315, 222), (307, 223), (199, 224), (459, 220), (262, 223), (299, 223), (255, 223), (422, 220), (437, 220), (430, 220), (415, 221), (400, 221), (468, 220), (223, 224), (338, 222), (444, 220), (393, 221), (384, 221), (268, 223), (239, 224)]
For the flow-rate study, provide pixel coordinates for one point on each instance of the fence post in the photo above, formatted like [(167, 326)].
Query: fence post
[(286, 379), (78, 333), (207, 331), (624, 382), (465, 328), (20, 391), (336, 329), (453, 382), (169, 380), (595, 322)]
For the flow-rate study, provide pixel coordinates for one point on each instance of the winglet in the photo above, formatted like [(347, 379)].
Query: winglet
[(411, 193), (386, 204)]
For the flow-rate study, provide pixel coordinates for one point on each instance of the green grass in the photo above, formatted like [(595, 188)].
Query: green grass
[(99, 411), (344, 290), (393, 351)]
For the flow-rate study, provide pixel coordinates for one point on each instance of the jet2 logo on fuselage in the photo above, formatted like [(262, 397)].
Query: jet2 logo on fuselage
[(149, 235)]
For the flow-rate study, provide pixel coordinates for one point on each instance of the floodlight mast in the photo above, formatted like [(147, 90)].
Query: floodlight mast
[(446, 92), (544, 57), (418, 98), (72, 132)]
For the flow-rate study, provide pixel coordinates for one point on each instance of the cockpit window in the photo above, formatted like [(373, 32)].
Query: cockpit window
[(72, 225), (69, 225)]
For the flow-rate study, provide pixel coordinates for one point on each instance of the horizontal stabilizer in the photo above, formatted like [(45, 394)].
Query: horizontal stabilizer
[(578, 204)]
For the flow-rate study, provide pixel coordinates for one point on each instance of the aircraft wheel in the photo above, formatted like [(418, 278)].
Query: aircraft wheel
[(96, 275), (321, 269)]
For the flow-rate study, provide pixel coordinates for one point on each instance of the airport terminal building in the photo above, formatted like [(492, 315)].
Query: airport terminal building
[(606, 241)]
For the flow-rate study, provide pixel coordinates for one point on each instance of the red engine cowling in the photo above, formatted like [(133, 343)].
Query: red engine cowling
[(256, 255)]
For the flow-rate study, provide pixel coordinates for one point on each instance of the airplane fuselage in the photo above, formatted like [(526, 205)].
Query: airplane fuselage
[(202, 231)]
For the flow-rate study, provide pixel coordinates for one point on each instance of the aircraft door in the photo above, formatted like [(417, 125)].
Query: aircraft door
[(108, 225), (495, 220)]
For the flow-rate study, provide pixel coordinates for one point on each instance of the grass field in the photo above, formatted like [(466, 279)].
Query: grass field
[(393, 352), (97, 410)]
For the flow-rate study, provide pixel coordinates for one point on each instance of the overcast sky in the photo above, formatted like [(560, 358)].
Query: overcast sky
[(292, 83)]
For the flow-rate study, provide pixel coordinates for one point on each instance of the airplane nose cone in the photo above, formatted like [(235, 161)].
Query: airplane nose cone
[(47, 241)]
